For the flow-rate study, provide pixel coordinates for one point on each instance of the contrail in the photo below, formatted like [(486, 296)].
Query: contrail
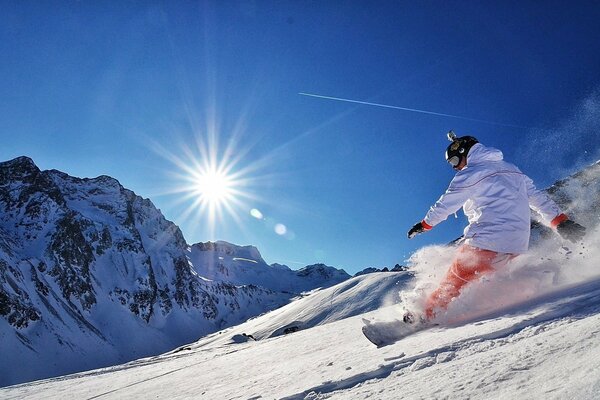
[(410, 109)]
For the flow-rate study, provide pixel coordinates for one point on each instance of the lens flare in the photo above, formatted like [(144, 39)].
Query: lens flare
[(257, 214), (280, 229)]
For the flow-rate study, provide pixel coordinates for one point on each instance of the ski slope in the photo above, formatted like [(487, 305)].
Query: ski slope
[(541, 340)]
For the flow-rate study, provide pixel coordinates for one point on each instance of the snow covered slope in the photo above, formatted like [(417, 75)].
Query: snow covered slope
[(539, 340), (93, 275), (353, 297)]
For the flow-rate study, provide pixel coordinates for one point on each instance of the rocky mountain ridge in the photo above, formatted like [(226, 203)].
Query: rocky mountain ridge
[(87, 266)]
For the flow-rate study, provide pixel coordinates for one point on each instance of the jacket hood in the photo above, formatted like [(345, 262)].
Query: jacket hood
[(480, 153)]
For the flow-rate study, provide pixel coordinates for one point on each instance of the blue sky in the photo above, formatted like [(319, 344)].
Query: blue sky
[(129, 89)]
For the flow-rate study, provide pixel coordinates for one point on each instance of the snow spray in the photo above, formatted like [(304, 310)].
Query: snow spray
[(549, 267)]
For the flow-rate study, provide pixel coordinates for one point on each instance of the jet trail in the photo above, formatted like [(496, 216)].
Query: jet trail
[(409, 109)]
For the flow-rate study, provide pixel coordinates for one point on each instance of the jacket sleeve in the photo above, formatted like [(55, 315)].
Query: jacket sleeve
[(541, 202), (450, 202)]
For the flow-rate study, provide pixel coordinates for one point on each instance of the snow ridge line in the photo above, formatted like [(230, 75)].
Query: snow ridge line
[(589, 300)]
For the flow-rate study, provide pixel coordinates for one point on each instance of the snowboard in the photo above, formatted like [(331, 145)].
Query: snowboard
[(384, 333)]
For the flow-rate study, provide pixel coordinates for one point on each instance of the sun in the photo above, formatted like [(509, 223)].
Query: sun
[(217, 177), (214, 187)]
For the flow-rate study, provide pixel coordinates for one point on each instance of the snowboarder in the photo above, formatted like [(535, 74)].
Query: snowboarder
[(495, 196)]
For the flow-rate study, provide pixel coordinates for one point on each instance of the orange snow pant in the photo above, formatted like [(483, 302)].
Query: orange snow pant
[(469, 264)]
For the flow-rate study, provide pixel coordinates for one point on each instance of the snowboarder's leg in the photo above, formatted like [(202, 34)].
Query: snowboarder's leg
[(469, 264)]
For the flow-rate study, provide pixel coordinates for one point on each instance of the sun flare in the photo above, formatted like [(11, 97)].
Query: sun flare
[(217, 176), (213, 186)]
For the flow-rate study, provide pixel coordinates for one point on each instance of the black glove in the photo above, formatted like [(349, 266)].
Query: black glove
[(571, 230), (415, 230)]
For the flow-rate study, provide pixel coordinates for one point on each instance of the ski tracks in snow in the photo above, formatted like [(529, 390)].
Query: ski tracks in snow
[(566, 306)]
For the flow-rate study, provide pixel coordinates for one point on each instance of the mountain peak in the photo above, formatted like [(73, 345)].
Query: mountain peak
[(322, 271), (22, 160), (18, 167)]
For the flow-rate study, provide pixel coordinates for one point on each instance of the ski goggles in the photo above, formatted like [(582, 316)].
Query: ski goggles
[(454, 161)]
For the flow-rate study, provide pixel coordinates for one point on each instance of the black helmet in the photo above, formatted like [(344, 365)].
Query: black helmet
[(459, 148)]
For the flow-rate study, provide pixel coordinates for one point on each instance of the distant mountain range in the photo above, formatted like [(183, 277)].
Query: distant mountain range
[(92, 275)]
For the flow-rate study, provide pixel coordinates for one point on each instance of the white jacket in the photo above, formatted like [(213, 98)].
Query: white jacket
[(495, 196)]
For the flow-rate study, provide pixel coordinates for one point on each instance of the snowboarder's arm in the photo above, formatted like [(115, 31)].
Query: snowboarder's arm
[(549, 210), (449, 203), (543, 204)]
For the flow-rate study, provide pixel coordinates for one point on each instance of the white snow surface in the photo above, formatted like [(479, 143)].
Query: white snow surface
[(531, 330)]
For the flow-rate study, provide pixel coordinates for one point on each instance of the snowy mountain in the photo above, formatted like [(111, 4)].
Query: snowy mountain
[(222, 261), (92, 275), (371, 270)]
